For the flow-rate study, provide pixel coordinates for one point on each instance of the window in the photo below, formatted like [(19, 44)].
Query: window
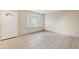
[(34, 21)]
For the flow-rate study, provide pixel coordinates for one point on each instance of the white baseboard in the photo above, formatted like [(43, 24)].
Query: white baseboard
[(69, 34)]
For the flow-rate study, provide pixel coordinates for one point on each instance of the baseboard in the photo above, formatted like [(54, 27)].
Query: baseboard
[(9, 38), (22, 35), (67, 34)]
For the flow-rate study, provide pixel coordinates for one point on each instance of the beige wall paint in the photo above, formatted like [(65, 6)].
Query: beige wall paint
[(0, 26), (22, 22), (65, 22)]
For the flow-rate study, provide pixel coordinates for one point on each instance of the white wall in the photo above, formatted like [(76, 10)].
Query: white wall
[(9, 25), (65, 22)]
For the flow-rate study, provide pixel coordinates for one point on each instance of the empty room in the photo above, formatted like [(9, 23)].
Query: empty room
[(39, 29)]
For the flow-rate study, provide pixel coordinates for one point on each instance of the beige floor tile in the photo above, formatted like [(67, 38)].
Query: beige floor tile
[(41, 40)]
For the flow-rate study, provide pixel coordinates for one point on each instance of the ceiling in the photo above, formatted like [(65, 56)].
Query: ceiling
[(44, 11)]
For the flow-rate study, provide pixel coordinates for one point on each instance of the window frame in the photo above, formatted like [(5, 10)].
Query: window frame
[(39, 19)]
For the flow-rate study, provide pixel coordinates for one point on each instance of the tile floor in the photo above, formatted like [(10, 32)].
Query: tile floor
[(41, 40)]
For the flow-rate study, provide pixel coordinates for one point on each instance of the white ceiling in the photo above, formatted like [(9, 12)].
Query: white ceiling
[(44, 11)]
